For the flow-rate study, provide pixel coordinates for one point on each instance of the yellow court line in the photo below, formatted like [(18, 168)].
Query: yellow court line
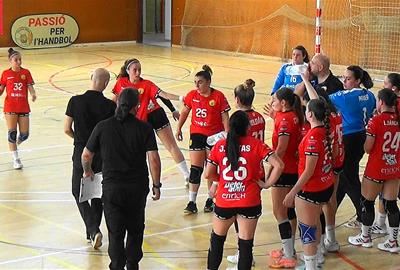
[(161, 260), (40, 219), (50, 258)]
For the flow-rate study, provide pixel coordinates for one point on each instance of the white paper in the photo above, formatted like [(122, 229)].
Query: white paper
[(91, 189)]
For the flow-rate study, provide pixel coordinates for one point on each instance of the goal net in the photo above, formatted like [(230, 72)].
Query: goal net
[(361, 32)]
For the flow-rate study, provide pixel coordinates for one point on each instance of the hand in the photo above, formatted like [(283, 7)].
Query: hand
[(178, 135), (88, 174), (289, 200), (306, 76), (156, 194), (213, 190), (176, 115), (263, 185), (33, 97), (269, 111)]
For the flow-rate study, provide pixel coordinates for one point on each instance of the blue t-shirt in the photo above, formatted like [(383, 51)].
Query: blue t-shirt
[(288, 76), (356, 107)]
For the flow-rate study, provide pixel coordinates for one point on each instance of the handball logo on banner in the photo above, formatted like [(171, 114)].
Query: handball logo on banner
[(44, 31)]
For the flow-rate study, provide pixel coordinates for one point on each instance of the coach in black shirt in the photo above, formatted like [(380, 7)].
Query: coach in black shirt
[(324, 80), (124, 142), (84, 112)]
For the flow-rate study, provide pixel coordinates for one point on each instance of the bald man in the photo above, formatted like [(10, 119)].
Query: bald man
[(323, 79), (83, 113)]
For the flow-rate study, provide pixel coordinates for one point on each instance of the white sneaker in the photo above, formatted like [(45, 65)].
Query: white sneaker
[(376, 229), (320, 258), (390, 246), (360, 240), (331, 246), (17, 164), (353, 224), (235, 259)]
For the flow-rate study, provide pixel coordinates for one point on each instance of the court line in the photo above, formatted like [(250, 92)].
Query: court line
[(39, 148), (348, 261)]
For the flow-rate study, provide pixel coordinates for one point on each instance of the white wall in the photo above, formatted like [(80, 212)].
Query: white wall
[(167, 18)]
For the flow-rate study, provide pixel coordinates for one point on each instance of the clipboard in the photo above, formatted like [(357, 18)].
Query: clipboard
[(91, 189)]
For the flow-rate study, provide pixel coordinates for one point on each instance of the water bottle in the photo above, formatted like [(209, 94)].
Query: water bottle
[(213, 139)]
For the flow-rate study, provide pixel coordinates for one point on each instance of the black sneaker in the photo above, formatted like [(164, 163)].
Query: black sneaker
[(96, 240), (209, 207), (191, 208)]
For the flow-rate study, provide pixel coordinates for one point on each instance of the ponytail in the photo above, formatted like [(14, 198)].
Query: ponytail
[(127, 99), (294, 102), (125, 68), (245, 92), (206, 73), (12, 53), (321, 112), (238, 126), (362, 75)]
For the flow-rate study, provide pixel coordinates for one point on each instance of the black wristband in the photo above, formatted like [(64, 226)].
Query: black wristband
[(157, 186)]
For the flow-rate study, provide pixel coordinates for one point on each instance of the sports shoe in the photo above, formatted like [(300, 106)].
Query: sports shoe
[(282, 262), (390, 246), (353, 224), (191, 208), (96, 240), (376, 229), (17, 164), (360, 240), (235, 259), (331, 246), (88, 239), (209, 206), (276, 253)]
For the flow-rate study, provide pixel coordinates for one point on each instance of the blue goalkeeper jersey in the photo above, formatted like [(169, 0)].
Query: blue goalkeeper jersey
[(356, 107), (288, 76)]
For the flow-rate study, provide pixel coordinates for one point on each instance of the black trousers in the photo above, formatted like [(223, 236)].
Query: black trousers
[(124, 210), (349, 179), (91, 213)]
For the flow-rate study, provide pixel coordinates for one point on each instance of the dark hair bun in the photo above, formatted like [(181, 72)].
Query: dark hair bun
[(207, 68), (249, 84)]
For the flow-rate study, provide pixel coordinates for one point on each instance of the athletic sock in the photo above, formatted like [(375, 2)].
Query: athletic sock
[(330, 233), (15, 154), (184, 169), (192, 196), (381, 219)]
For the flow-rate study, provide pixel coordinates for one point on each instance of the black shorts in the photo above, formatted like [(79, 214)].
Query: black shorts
[(246, 212), (158, 119), (319, 197), (287, 180), (198, 142), (25, 114)]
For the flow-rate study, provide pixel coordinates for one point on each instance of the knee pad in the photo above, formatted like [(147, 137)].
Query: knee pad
[(367, 211), (12, 135), (23, 137), (215, 251), (285, 229), (245, 253), (291, 214), (307, 233), (195, 174), (392, 210)]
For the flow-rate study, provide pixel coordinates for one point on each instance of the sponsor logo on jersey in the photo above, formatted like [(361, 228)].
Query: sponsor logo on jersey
[(141, 91), (10, 78), (23, 77), (211, 103)]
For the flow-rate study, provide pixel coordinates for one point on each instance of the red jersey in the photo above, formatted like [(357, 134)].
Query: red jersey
[(337, 138), (304, 129), (16, 84), (239, 188), (257, 125), (384, 158), (148, 93), (206, 111), (314, 144), (287, 124)]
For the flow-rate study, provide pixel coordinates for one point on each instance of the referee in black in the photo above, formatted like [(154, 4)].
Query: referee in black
[(125, 143), (83, 113)]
